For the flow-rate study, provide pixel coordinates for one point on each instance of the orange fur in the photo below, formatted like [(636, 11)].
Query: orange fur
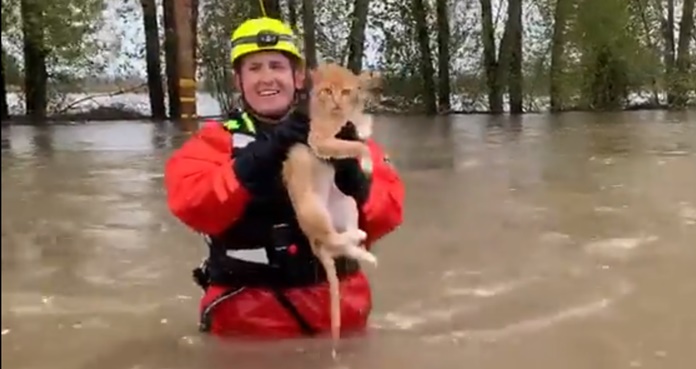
[(338, 96)]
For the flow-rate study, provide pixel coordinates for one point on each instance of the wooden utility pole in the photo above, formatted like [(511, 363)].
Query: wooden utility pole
[(184, 14)]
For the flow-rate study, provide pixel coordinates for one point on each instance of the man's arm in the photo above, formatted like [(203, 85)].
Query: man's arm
[(202, 188), (209, 182), (382, 211)]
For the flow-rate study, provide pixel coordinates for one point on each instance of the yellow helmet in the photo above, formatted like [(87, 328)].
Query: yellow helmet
[(263, 34)]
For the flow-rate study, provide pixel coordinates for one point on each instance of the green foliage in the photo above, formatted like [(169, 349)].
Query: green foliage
[(71, 38), (217, 21), (399, 53), (71, 27), (13, 72), (70, 32), (607, 40), (333, 28)]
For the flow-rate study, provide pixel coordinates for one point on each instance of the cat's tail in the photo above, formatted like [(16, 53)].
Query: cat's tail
[(334, 295)]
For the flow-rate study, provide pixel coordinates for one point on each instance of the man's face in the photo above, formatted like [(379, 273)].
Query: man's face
[(268, 82)]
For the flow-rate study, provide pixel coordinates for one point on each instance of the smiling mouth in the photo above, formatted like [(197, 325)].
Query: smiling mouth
[(267, 93)]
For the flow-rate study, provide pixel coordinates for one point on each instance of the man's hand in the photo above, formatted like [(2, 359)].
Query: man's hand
[(290, 132), (349, 132), (258, 165), (350, 178)]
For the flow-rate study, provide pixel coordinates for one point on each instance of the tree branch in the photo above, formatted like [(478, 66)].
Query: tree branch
[(93, 97)]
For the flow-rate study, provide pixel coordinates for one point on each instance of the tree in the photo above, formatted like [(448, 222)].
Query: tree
[(683, 63), (310, 42), (171, 59), (152, 48), (443, 41), (4, 109), (35, 54), (514, 23), (560, 17), (494, 78), (356, 41), (292, 15), (426, 63), (607, 43), (271, 7)]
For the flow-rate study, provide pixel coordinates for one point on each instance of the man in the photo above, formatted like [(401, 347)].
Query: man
[(261, 278)]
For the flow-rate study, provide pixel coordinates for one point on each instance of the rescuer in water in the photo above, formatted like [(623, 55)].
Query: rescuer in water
[(261, 278)]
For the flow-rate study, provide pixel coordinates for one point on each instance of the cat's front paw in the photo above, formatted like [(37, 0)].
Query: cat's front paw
[(357, 236), (360, 254)]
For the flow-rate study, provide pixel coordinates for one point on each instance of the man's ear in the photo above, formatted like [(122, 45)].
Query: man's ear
[(300, 78), (237, 81), (314, 75)]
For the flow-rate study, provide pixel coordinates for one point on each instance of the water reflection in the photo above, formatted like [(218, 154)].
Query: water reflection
[(42, 140), (6, 143), (33, 141), (509, 126), (415, 145), (162, 136)]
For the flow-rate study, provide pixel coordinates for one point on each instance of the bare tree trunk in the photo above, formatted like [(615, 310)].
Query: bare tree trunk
[(557, 49), (195, 4), (426, 62), (152, 56), (443, 37), (651, 45), (669, 52), (170, 51), (310, 50), (310, 43), (515, 81), (356, 43), (272, 8), (683, 58), (502, 72), (35, 53), (292, 15), (186, 65), (4, 109), (495, 95)]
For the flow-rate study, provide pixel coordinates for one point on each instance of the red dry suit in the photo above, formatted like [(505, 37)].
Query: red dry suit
[(285, 295)]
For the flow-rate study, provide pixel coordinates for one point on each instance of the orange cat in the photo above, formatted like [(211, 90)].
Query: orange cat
[(329, 218)]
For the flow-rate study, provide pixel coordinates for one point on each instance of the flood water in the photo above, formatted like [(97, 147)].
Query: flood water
[(542, 242)]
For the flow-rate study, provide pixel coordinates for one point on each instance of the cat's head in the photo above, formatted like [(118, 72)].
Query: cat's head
[(338, 92)]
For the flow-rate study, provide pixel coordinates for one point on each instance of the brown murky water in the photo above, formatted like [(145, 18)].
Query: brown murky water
[(560, 243)]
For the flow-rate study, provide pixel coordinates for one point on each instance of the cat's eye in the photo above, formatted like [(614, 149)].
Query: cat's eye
[(345, 92), (326, 91)]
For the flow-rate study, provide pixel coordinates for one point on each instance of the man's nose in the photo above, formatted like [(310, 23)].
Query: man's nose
[(265, 75)]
